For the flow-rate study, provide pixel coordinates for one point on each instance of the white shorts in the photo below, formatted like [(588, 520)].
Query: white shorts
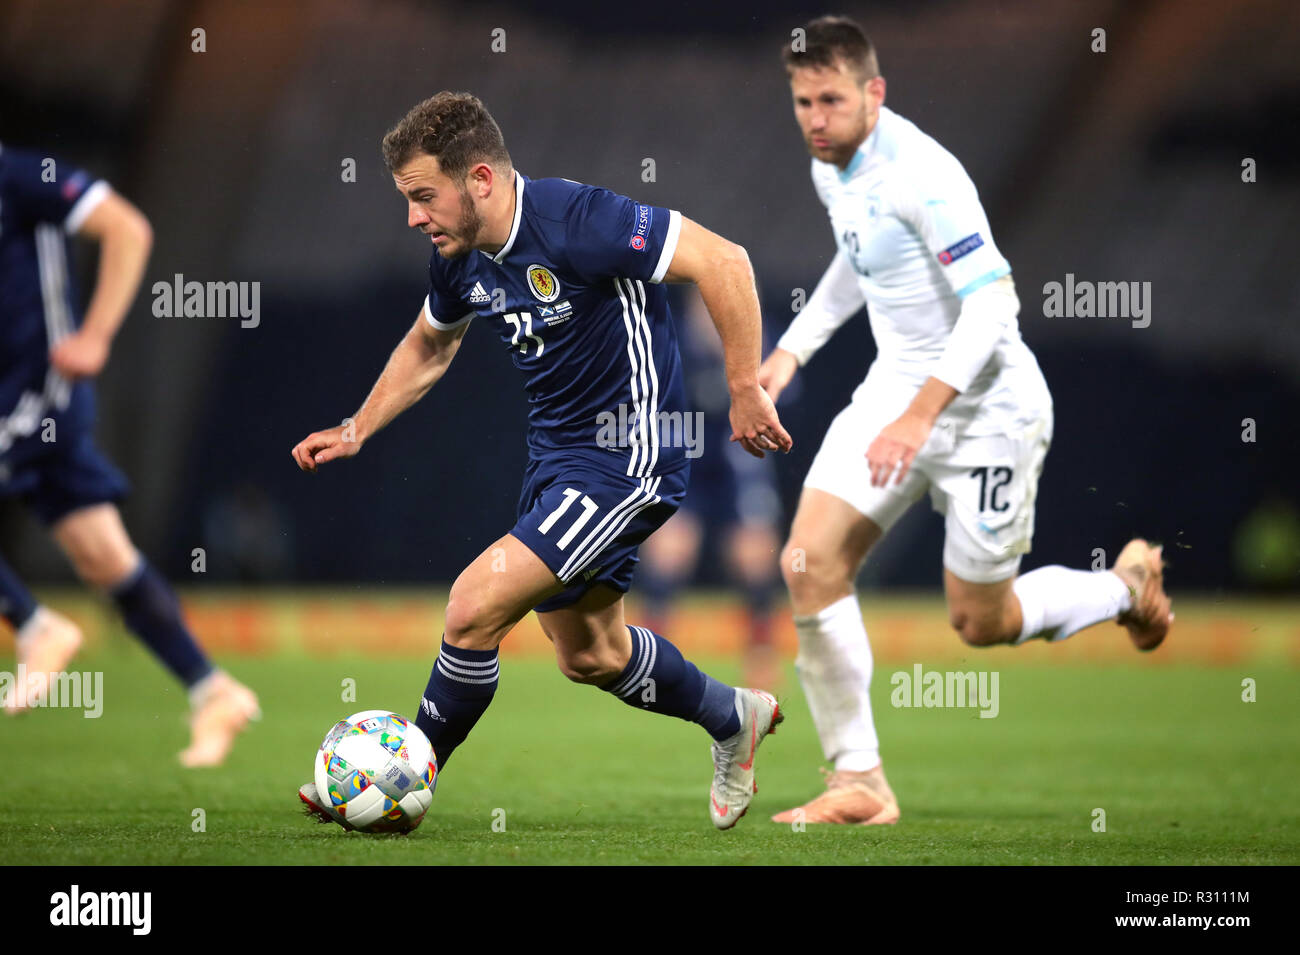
[(985, 485)]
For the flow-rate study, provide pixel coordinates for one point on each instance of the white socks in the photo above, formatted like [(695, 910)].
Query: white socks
[(834, 666), (1057, 602)]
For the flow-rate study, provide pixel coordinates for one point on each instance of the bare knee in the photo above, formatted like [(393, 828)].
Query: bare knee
[(101, 557), (473, 624), (814, 580)]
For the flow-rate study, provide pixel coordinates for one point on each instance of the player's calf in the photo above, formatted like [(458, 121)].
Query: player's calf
[(594, 666), (978, 630), (983, 614)]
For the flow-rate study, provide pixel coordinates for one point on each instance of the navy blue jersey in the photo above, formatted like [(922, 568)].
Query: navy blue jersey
[(574, 296), (42, 202)]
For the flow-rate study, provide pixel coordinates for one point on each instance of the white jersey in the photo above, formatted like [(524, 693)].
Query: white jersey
[(913, 241)]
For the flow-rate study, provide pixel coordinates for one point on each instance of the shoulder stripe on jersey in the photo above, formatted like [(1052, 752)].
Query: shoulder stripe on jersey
[(51, 261), (983, 280), (610, 526), (84, 206), (644, 413), (644, 380), (670, 246), (637, 290), (634, 433), (442, 326)]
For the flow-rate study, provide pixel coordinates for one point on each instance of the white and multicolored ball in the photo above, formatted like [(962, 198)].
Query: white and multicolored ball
[(377, 770)]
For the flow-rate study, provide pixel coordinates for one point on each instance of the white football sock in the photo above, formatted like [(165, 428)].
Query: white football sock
[(1056, 601), (834, 666)]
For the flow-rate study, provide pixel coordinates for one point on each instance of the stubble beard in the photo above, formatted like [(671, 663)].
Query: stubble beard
[(837, 154), (468, 227)]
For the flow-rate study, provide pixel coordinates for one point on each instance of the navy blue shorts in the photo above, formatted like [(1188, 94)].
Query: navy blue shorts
[(73, 473), (586, 522)]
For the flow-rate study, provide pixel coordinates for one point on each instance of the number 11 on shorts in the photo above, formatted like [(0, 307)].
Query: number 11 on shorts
[(589, 508)]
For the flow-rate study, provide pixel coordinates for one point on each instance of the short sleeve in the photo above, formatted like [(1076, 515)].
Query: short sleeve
[(46, 189), (609, 235), (443, 310), (947, 214)]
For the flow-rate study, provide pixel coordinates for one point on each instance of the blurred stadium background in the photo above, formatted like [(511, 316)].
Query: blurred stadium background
[(1116, 166)]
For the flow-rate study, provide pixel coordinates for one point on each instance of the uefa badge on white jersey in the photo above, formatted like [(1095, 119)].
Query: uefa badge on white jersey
[(543, 283)]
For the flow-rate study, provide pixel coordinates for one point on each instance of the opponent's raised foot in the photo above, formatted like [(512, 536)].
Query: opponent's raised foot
[(851, 798), (221, 713), (1149, 616), (733, 758)]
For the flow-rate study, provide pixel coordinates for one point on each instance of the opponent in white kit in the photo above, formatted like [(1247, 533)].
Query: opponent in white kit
[(954, 404)]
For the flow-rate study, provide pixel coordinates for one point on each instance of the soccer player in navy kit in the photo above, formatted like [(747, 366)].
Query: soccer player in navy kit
[(568, 277), (48, 455)]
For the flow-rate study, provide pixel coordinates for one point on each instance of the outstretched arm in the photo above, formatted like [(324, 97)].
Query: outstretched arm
[(418, 361), (721, 271)]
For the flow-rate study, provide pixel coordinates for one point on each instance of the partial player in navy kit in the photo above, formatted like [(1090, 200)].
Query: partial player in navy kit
[(568, 276), (48, 456)]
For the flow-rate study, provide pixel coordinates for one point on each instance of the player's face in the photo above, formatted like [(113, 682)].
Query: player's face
[(835, 111), (439, 207)]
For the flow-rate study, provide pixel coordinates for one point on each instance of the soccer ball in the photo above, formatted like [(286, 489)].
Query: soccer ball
[(377, 771)]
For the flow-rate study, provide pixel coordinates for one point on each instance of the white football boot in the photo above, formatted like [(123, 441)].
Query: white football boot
[(733, 758)]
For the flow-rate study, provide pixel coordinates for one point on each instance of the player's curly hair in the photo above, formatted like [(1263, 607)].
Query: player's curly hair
[(455, 128), (830, 41)]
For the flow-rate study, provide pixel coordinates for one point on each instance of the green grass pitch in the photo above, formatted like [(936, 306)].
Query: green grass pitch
[(1185, 771)]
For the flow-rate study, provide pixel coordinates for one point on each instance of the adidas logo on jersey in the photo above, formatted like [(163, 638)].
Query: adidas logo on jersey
[(479, 296), (430, 710)]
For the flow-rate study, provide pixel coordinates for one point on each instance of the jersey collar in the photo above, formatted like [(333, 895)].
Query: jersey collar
[(514, 228)]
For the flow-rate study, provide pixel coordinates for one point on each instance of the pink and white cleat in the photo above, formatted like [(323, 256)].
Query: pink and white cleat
[(733, 758)]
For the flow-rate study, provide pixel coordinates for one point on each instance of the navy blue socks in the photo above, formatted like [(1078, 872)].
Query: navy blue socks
[(16, 603), (153, 614), (460, 688), (659, 679)]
